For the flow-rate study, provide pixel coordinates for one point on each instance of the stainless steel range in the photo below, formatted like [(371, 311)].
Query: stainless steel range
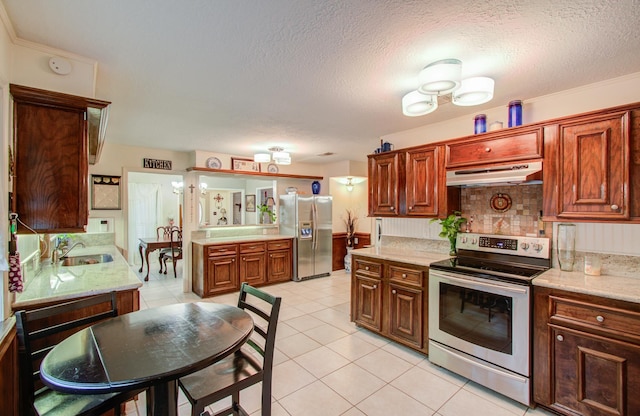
[(480, 310)]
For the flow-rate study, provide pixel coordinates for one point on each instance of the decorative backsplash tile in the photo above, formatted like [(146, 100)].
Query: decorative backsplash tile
[(511, 210)]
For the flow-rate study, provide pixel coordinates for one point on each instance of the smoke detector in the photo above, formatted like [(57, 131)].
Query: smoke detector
[(60, 65)]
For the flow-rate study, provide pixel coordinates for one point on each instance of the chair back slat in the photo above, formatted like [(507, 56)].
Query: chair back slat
[(39, 330)]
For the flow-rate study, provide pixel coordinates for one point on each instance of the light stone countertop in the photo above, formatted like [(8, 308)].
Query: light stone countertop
[(239, 239), (56, 282), (613, 287), (417, 257)]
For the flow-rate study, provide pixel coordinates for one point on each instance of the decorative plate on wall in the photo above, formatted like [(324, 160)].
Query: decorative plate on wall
[(213, 163), (500, 202), (272, 168)]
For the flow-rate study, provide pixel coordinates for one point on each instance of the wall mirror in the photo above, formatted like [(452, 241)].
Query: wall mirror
[(232, 201)]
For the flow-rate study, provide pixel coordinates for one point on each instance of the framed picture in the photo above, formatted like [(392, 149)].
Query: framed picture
[(105, 192), (250, 203), (247, 165)]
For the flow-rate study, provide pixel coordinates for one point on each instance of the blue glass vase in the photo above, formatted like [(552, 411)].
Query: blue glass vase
[(315, 187)]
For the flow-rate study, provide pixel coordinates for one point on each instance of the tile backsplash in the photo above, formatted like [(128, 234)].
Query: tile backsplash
[(520, 219)]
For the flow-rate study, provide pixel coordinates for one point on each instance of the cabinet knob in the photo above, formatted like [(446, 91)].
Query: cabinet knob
[(233, 259), (404, 275), (366, 267), (487, 149), (410, 208), (560, 338), (271, 255), (393, 291), (614, 207), (600, 318), (244, 259), (375, 286), (392, 208)]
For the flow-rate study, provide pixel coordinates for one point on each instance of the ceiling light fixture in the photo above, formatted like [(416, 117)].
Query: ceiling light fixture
[(277, 153), (441, 78), (417, 104), (280, 156), (474, 91), (262, 157), (349, 184)]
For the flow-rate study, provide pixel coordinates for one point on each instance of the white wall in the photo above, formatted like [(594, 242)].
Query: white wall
[(592, 237)]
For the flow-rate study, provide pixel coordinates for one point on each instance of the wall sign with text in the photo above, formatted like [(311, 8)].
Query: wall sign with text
[(156, 164)]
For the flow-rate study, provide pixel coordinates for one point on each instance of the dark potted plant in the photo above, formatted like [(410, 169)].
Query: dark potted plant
[(450, 228)]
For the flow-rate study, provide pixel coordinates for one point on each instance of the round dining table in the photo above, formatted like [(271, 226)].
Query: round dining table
[(150, 348)]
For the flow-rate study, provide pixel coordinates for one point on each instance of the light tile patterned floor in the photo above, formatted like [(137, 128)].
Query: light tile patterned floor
[(326, 366)]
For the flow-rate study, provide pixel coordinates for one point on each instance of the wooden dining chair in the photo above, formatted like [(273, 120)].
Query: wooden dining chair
[(39, 330), (175, 250), (163, 233), (250, 365)]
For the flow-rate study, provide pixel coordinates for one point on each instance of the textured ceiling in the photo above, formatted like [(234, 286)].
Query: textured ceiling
[(316, 76)]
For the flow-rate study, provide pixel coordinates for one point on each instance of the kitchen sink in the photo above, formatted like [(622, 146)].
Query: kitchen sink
[(87, 259)]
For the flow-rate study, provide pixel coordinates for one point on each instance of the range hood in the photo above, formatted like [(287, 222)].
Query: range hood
[(513, 174)]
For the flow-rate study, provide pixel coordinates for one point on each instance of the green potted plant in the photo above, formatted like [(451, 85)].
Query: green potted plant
[(266, 209), (450, 228)]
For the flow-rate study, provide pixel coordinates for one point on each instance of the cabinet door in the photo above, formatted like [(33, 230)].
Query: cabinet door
[(422, 182), (279, 266), (405, 314), (222, 275), (252, 269), (595, 375), (50, 186), (384, 196), (594, 169), (368, 302)]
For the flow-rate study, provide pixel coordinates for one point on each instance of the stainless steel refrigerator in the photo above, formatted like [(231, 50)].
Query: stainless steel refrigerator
[(308, 219)]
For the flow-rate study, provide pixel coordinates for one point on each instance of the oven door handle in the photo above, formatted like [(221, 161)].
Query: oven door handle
[(477, 282)]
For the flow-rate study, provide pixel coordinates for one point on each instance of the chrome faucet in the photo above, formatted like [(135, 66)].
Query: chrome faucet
[(56, 256)]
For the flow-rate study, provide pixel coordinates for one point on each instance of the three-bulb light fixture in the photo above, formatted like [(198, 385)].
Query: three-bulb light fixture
[(278, 154), (445, 77)]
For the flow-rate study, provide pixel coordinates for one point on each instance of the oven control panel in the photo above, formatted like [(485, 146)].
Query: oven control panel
[(504, 244)]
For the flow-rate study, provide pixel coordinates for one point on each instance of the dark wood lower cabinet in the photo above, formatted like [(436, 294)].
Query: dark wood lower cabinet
[(368, 308), (586, 354), (221, 268), (9, 393), (390, 298)]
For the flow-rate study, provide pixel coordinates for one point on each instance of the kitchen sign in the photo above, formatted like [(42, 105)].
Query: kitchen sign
[(156, 164)]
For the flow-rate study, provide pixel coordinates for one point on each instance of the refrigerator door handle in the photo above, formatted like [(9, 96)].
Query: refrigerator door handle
[(314, 226)]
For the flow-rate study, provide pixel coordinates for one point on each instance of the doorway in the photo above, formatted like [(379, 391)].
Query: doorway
[(154, 200)]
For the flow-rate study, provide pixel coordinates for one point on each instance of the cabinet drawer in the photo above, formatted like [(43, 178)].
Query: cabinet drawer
[(591, 315), (222, 250), (367, 268), (406, 276), (255, 247), (279, 245), (501, 149)]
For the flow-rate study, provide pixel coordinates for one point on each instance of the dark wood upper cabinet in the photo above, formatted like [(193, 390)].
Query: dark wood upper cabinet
[(592, 167), (384, 188), (423, 171), (411, 183), (50, 185)]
